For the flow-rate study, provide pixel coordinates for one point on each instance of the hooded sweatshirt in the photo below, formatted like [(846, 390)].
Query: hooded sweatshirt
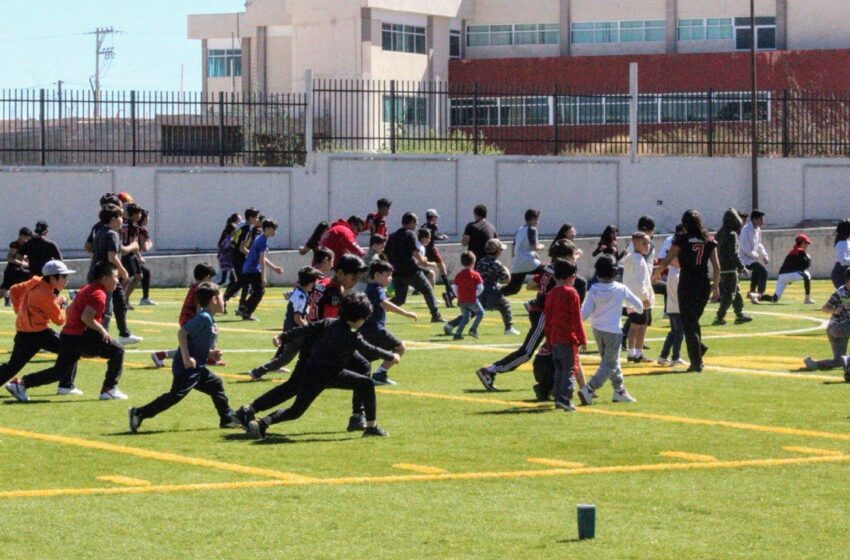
[(604, 305), (341, 239), (36, 306), (727, 242)]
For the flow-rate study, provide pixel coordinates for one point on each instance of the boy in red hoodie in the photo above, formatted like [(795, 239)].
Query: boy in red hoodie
[(564, 331), (341, 238)]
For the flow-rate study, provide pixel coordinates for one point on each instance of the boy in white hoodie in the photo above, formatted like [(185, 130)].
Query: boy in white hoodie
[(603, 307), (637, 277)]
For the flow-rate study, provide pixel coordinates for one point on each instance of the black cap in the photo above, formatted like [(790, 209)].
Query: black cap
[(756, 214), (350, 264), (40, 227)]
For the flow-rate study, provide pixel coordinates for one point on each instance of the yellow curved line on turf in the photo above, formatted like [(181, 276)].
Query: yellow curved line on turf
[(395, 479), (149, 454), (124, 480), (555, 463), (695, 457), (421, 469), (813, 451)]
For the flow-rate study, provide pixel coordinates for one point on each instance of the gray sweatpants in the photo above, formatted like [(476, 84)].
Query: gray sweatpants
[(609, 366), (838, 338)]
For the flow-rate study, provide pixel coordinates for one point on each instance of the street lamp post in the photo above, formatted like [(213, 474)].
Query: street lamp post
[(754, 149)]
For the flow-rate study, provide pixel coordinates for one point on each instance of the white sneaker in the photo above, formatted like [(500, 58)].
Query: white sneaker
[(67, 391), (680, 362), (664, 362), (127, 340), (17, 389), (147, 301), (512, 331), (809, 301), (113, 394), (585, 395), (623, 397), (157, 359)]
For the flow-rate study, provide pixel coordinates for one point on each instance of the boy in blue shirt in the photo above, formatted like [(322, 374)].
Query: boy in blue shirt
[(375, 331), (197, 340), (296, 316), (254, 269)]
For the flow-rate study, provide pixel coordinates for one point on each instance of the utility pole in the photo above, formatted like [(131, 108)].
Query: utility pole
[(107, 53), (754, 101)]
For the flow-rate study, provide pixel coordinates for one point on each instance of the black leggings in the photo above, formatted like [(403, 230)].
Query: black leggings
[(693, 297), (146, 282), (362, 386)]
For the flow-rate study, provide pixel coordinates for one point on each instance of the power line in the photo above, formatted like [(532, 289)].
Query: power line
[(107, 53)]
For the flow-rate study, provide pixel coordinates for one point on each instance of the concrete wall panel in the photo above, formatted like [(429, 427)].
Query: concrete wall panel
[(825, 189)]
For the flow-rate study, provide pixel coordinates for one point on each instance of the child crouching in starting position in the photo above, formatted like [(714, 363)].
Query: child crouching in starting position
[(197, 340)]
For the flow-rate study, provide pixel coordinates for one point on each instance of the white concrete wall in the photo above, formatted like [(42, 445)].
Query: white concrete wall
[(189, 206)]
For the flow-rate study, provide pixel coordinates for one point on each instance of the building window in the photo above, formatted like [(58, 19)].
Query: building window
[(618, 31), (765, 34), (711, 29), (607, 109), (223, 63), (519, 34), (403, 38), (410, 111), (454, 44)]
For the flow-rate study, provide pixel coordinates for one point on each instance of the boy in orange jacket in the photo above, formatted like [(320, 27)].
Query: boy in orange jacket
[(37, 303)]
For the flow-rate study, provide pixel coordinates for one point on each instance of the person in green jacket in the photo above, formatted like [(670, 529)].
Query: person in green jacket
[(730, 268)]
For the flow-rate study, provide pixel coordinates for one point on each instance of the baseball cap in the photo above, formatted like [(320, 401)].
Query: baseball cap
[(431, 212), (126, 197), (349, 264), (54, 267), (40, 227), (803, 238), (493, 246)]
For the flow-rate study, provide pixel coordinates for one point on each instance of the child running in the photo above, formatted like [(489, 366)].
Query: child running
[(603, 307), (296, 316), (254, 270), (325, 368), (432, 253), (375, 329), (197, 340), (838, 331), (564, 332), (468, 285)]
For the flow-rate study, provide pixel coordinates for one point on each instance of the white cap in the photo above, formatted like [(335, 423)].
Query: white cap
[(54, 267), (431, 212)]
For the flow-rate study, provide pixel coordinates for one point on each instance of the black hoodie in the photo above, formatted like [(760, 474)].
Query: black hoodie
[(727, 242)]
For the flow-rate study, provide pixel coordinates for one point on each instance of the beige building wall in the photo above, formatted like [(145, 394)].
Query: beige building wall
[(691, 9), (823, 24), (506, 12), (618, 10)]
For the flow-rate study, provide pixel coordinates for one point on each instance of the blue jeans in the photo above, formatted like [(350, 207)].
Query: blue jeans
[(468, 309), (563, 356), (674, 337)]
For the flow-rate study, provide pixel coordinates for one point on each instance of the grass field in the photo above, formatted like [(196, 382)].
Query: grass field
[(750, 459)]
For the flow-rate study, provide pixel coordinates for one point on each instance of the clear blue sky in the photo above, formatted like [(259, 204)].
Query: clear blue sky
[(43, 41)]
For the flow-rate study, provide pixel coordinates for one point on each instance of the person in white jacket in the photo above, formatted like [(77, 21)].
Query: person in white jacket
[(753, 254), (637, 277), (603, 306)]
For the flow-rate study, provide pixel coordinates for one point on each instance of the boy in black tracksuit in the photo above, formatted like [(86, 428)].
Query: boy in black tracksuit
[(730, 268), (325, 367)]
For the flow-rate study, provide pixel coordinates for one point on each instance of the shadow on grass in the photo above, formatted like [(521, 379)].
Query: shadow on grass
[(486, 392), (144, 432), (50, 401), (838, 381), (517, 410), (277, 439)]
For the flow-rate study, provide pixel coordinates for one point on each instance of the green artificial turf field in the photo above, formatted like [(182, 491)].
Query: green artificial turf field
[(749, 459)]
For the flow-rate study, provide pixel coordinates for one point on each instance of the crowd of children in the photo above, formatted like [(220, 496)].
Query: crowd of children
[(335, 324)]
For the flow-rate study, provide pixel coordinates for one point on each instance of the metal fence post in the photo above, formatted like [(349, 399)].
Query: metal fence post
[(221, 128), (133, 124), (786, 141), (556, 119), (633, 110), (392, 116), (475, 118), (710, 95), (43, 129), (308, 111)]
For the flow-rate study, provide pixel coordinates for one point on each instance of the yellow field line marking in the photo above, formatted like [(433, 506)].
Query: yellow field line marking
[(555, 463), (771, 373), (394, 479), (151, 331), (814, 451), (150, 454), (136, 365), (421, 469), (124, 480), (642, 415), (695, 457)]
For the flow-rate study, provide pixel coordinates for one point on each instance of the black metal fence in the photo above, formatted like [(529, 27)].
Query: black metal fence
[(152, 128)]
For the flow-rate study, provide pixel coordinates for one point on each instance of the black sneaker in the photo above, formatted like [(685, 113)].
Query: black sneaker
[(741, 319), (257, 429), (718, 322), (695, 368), (135, 419), (457, 336), (229, 421), (486, 379), (357, 423), (447, 299), (244, 414), (541, 393), (437, 318), (565, 404), (702, 349), (473, 334), (381, 378), (375, 431)]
